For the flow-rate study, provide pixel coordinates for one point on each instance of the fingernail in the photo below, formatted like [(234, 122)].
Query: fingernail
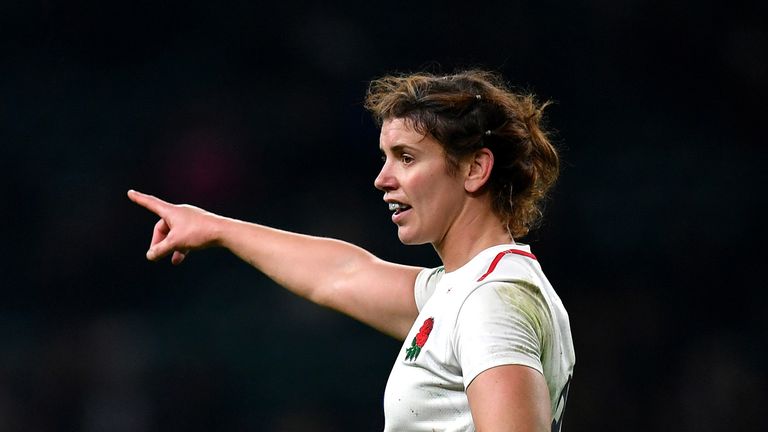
[(150, 254)]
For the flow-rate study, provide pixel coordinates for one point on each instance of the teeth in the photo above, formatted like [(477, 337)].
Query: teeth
[(398, 206)]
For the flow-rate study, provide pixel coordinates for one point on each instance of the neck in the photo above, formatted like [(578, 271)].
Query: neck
[(470, 236)]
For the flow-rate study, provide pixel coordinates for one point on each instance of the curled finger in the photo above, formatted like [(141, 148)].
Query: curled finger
[(178, 257)]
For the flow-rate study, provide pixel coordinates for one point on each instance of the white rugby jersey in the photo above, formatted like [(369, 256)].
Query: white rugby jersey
[(497, 309)]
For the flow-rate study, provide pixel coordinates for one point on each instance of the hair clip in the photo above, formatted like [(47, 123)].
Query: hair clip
[(488, 132), (478, 97)]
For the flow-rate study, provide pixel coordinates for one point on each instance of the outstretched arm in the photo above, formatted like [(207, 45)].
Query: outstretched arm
[(329, 272)]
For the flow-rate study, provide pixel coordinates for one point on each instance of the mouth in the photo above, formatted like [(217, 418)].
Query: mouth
[(398, 207)]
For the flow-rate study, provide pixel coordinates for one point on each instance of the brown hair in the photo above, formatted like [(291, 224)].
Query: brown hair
[(472, 109)]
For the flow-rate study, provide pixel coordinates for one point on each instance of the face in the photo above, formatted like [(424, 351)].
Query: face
[(415, 180)]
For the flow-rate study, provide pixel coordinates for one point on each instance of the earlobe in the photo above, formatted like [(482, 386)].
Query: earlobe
[(479, 172)]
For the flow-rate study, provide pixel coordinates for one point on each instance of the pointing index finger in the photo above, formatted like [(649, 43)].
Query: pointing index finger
[(149, 202)]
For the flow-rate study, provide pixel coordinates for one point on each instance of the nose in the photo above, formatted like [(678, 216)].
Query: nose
[(385, 181)]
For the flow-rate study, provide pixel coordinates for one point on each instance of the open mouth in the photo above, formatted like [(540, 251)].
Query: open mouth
[(398, 207)]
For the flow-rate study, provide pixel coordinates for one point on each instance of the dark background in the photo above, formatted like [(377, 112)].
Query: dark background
[(654, 236)]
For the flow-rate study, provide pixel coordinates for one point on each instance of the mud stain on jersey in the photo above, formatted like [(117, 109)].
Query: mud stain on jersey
[(526, 299)]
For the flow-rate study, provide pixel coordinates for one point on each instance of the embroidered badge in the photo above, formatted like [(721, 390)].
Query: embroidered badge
[(421, 338)]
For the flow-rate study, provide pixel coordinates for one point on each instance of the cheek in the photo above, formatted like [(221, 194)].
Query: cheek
[(419, 185)]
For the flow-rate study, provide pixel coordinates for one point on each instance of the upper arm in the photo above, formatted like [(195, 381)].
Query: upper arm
[(509, 398), (500, 337), (378, 293)]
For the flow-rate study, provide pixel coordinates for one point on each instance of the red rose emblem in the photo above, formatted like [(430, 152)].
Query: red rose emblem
[(424, 332), (421, 338)]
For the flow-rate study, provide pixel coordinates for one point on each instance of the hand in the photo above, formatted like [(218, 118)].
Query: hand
[(181, 228)]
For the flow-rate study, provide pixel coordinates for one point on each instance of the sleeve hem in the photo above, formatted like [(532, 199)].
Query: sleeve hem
[(470, 374)]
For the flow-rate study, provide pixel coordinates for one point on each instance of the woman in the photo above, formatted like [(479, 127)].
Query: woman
[(466, 164)]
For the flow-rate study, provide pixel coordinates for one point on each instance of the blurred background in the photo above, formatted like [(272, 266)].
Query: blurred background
[(654, 237)]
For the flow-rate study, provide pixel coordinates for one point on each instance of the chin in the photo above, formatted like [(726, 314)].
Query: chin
[(411, 239)]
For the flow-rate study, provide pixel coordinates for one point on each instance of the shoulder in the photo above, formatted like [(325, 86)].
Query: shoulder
[(515, 302), (426, 282)]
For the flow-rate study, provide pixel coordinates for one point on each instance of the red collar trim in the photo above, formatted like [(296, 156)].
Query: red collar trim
[(500, 255)]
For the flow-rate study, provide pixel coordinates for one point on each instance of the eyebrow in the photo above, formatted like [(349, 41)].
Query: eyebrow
[(399, 148)]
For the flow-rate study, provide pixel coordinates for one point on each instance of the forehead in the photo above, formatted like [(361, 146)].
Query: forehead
[(398, 132)]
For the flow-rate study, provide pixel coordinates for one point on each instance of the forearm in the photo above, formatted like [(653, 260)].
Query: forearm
[(311, 267)]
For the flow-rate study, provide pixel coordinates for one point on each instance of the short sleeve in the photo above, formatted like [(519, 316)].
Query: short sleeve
[(426, 282), (501, 323)]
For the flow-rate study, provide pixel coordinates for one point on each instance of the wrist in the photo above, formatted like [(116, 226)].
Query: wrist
[(219, 229)]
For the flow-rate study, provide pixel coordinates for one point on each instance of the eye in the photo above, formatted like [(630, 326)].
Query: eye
[(406, 158)]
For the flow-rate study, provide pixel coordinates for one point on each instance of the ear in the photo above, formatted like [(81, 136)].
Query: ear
[(479, 170)]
